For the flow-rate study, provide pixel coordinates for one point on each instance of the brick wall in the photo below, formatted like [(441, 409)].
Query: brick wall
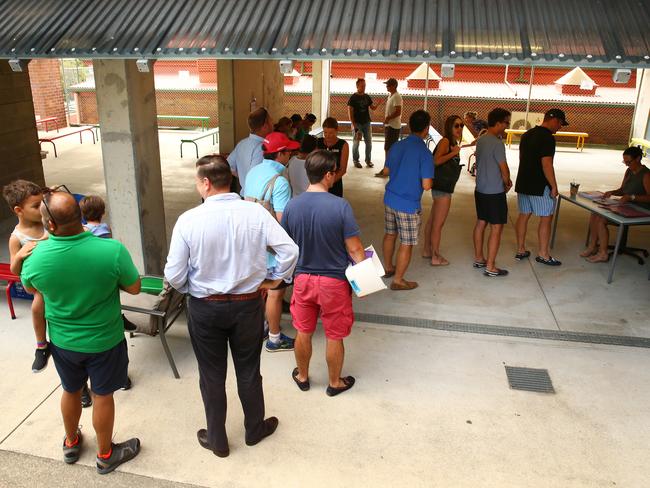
[(167, 102), (47, 90)]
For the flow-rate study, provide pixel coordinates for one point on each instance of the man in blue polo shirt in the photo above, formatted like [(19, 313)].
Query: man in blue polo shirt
[(410, 168)]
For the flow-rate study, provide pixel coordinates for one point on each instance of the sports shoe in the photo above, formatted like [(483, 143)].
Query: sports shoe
[(369, 164), (357, 164), (86, 398), (71, 454), (40, 359), (120, 453), (496, 272), (127, 385), (285, 344)]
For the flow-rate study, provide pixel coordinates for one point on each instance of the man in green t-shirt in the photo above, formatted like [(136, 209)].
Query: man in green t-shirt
[(80, 277)]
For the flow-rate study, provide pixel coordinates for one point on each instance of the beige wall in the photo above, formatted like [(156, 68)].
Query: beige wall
[(20, 157), (240, 82)]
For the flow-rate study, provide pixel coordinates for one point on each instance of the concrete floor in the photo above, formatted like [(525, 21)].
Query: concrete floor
[(430, 408)]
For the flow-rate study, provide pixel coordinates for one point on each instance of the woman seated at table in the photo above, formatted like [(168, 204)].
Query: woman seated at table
[(635, 188)]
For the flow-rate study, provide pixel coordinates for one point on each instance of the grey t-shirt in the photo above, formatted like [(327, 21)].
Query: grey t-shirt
[(490, 151)]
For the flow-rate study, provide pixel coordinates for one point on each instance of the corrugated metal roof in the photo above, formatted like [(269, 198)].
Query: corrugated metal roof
[(543, 31)]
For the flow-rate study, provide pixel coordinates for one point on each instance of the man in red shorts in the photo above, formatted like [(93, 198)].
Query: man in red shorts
[(326, 232)]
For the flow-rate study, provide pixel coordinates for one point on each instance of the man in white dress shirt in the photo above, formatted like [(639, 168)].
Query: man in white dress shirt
[(248, 151), (218, 255)]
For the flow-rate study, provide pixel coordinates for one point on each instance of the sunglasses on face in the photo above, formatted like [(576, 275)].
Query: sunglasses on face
[(47, 193), (459, 126)]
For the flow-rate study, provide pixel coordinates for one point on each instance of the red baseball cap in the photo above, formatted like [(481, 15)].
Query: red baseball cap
[(278, 141)]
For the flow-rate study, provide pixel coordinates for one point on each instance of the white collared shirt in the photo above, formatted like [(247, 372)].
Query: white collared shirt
[(247, 154), (220, 247)]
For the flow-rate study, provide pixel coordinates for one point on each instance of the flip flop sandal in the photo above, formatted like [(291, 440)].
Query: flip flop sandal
[(303, 385), (442, 263), (349, 383), (592, 259), (479, 264), (551, 261), (522, 255)]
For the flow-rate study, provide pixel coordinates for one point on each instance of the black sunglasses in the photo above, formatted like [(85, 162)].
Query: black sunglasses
[(459, 126), (47, 192)]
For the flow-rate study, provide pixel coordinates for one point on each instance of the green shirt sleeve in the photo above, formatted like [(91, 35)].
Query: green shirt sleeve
[(26, 274), (127, 272)]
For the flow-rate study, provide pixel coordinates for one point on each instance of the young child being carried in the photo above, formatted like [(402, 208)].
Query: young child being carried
[(24, 198), (93, 210)]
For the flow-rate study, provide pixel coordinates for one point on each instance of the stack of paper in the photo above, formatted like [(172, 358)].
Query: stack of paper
[(365, 277)]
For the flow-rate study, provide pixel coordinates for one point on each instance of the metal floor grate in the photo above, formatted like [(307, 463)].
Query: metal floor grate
[(499, 330), (529, 379)]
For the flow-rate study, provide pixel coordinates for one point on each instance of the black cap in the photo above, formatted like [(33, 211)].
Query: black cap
[(391, 82), (556, 113)]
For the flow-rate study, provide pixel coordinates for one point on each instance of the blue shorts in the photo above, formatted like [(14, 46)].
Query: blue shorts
[(542, 206), (107, 370)]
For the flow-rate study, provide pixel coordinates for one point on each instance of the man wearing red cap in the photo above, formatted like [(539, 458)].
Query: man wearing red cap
[(267, 185)]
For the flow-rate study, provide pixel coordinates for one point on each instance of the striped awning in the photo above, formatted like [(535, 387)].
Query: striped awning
[(546, 32)]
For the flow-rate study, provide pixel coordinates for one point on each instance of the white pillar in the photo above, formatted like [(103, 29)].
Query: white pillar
[(126, 103), (320, 98), (641, 122)]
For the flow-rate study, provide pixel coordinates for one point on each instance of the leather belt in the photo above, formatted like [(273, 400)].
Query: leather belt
[(227, 297)]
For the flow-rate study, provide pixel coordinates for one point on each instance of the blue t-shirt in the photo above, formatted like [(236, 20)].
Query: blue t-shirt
[(409, 162), (258, 178), (319, 223)]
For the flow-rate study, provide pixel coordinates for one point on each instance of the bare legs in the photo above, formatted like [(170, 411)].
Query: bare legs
[(433, 230), (274, 310), (520, 228), (544, 236), (334, 355), (38, 317), (494, 240), (103, 418), (403, 260), (596, 251)]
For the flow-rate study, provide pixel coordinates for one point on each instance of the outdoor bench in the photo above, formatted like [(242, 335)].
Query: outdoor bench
[(203, 120), (79, 131), (214, 133), (580, 136)]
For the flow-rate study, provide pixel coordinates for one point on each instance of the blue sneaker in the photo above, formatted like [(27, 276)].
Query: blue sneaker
[(285, 344)]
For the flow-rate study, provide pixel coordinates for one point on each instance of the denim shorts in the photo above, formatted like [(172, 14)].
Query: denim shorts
[(438, 194)]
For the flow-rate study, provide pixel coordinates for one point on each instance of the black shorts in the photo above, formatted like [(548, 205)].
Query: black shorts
[(492, 208), (107, 370), (391, 136)]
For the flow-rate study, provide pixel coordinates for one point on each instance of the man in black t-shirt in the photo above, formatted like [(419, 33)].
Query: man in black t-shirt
[(536, 186), (359, 106)]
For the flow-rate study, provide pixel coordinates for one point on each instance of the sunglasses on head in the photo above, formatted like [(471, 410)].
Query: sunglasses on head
[(47, 193)]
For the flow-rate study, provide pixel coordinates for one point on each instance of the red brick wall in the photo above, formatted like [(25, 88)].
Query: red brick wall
[(47, 90), (167, 102), (593, 119)]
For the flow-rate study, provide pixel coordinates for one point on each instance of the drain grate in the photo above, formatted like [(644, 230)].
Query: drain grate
[(529, 379)]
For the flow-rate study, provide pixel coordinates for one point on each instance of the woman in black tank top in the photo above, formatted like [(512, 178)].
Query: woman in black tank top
[(339, 147), (634, 189)]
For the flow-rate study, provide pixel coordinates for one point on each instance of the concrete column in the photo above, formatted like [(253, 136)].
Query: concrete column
[(320, 98), (244, 85), (126, 103), (641, 122), (20, 157)]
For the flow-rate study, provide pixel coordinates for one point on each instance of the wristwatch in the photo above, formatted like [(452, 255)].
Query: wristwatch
[(632, 197)]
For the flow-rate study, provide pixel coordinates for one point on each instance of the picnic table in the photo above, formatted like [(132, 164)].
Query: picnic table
[(204, 121), (642, 143), (580, 136), (46, 122), (79, 131), (623, 223), (214, 133)]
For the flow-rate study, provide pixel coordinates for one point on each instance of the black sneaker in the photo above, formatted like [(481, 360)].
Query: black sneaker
[(86, 398), (127, 385), (369, 164), (40, 359), (71, 454), (121, 453), (357, 164)]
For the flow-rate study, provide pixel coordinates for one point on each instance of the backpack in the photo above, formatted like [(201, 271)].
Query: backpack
[(267, 203)]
